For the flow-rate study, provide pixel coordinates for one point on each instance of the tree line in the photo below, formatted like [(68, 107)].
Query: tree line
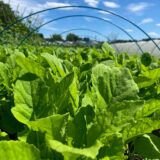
[(70, 37)]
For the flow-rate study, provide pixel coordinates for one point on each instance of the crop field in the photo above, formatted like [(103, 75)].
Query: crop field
[(79, 80), (78, 103)]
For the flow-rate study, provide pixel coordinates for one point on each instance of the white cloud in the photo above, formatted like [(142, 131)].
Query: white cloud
[(136, 7), (107, 19), (48, 27), (147, 20), (21, 5), (93, 3), (111, 4), (88, 19), (129, 30), (158, 24), (53, 5), (154, 34), (104, 12), (28, 5)]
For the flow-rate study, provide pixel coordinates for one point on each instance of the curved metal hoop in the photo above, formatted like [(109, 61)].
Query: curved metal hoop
[(70, 16), (87, 7)]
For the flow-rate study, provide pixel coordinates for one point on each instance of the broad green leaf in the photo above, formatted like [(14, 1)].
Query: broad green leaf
[(148, 78), (114, 84), (87, 100), (59, 94), (75, 153), (54, 126), (74, 94), (11, 60), (110, 63), (76, 128), (4, 78), (147, 146), (125, 112), (113, 148), (30, 66), (143, 82), (55, 64), (150, 107), (16, 150), (34, 100), (38, 139), (111, 86), (107, 48), (31, 100), (146, 125), (14, 69), (153, 74), (68, 65)]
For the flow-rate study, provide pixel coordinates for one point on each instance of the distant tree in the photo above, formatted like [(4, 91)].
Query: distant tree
[(7, 16), (19, 30), (86, 39), (72, 37), (56, 37), (112, 37), (121, 41)]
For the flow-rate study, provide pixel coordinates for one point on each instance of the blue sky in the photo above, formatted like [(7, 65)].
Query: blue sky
[(145, 13)]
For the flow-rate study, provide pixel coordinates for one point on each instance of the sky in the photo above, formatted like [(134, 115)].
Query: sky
[(144, 13)]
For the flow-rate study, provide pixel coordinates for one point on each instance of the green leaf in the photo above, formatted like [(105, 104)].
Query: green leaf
[(74, 94), (30, 100), (147, 146), (113, 148), (125, 112), (68, 65), (3, 136), (54, 126), (114, 84), (146, 125), (110, 63), (30, 66), (55, 64), (4, 78), (87, 100), (143, 81), (74, 153), (113, 96), (34, 100), (107, 48), (148, 78), (59, 94), (150, 107), (16, 150), (11, 60), (76, 128)]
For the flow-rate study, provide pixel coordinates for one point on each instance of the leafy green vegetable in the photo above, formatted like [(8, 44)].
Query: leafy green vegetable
[(18, 150), (146, 59), (74, 153), (148, 146), (78, 103)]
